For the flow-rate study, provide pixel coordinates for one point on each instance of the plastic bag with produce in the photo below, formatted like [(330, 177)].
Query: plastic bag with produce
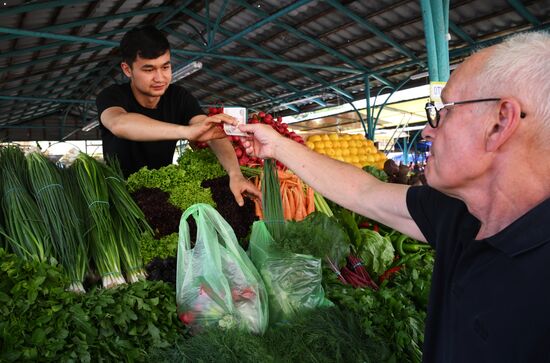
[(216, 283)]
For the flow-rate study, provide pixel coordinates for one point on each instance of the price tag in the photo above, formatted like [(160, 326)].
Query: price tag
[(435, 90), (240, 114)]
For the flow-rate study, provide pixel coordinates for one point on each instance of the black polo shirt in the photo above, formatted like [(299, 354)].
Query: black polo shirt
[(176, 106), (490, 298)]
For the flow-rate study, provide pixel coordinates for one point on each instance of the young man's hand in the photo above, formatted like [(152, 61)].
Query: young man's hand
[(205, 128), (241, 187)]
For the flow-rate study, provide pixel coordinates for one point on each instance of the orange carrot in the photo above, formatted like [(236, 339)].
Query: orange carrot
[(300, 210), (310, 200), (257, 202), (287, 209)]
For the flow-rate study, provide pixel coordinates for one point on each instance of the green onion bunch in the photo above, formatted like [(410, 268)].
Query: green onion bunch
[(272, 203), (103, 245), (60, 217), (25, 231), (129, 223), (70, 184)]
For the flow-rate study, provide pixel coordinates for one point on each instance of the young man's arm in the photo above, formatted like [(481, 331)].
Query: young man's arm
[(138, 127)]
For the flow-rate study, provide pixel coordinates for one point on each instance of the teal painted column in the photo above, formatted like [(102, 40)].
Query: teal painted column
[(435, 16), (370, 121)]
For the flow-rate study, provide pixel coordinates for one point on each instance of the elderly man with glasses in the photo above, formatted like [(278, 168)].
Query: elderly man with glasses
[(486, 209)]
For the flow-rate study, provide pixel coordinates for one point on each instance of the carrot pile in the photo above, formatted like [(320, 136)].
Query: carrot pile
[(298, 198)]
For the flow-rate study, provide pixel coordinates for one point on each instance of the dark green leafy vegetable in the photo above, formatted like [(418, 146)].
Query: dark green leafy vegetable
[(164, 247), (165, 178), (321, 335), (395, 314), (379, 174), (376, 252), (41, 321), (161, 215), (318, 235), (201, 164), (185, 195)]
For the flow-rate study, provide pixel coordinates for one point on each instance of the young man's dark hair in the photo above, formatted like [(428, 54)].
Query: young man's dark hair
[(147, 41)]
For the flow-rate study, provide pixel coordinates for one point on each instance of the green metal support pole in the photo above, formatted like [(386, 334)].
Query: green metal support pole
[(40, 99), (440, 34), (429, 34), (370, 123)]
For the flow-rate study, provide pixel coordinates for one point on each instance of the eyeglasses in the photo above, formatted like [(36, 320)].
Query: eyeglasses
[(433, 109)]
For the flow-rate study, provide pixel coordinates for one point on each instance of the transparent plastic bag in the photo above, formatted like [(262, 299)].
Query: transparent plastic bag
[(216, 283), (293, 281)]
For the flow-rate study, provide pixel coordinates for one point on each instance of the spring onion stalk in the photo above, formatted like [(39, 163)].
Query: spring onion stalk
[(250, 172), (25, 231), (129, 223), (272, 203), (321, 204), (59, 216), (103, 246), (82, 217)]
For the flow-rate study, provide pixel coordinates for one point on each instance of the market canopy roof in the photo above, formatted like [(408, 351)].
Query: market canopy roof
[(285, 57)]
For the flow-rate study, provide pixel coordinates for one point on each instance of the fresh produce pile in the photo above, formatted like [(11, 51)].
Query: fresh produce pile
[(371, 283), (261, 117), (81, 216), (404, 174), (240, 218), (324, 335), (352, 149), (41, 321), (165, 193), (298, 198)]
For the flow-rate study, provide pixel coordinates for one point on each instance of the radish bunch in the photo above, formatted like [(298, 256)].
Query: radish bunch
[(260, 117)]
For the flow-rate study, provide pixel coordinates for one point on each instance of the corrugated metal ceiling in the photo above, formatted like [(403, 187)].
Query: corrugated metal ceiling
[(55, 55)]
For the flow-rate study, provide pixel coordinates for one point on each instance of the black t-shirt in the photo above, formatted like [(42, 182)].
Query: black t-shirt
[(489, 298), (176, 106)]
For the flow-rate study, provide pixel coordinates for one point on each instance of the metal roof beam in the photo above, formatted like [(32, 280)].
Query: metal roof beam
[(99, 19), (40, 82), (461, 33), (214, 30), (18, 9), (18, 123), (169, 15), (266, 18), (275, 56), (242, 85), (247, 67), (51, 58), (231, 80), (111, 43), (318, 44), (520, 8), (57, 44), (373, 29), (43, 99)]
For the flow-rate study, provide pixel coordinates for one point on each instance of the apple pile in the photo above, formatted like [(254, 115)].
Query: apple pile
[(261, 117)]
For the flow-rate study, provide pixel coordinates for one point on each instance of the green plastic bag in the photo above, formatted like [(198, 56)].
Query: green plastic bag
[(216, 283), (293, 281)]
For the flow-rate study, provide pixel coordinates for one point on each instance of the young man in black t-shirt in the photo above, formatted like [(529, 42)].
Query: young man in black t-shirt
[(142, 120)]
